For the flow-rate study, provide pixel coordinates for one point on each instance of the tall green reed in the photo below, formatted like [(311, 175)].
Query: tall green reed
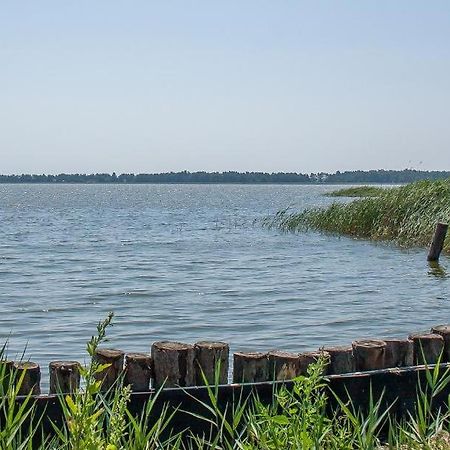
[(406, 215)]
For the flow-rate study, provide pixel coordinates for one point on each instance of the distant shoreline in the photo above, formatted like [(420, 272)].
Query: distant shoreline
[(232, 177), (315, 183)]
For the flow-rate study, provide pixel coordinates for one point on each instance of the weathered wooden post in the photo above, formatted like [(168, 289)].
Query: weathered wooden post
[(438, 241), (30, 375), (308, 358), (64, 376), (111, 374), (427, 347), (444, 331), (138, 371), (341, 359), (369, 354), (209, 357), (173, 364), (399, 352), (250, 367), (283, 365)]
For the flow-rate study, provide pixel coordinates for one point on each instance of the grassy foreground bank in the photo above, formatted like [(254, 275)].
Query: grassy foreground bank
[(298, 419), (406, 215)]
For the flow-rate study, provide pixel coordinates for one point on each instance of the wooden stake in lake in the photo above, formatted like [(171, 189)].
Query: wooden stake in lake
[(28, 375), (113, 360), (173, 364), (64, 376), (438, 241), (211, 357)]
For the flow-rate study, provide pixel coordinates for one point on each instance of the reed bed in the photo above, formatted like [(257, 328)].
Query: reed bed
[(357, 191), (406, 215)]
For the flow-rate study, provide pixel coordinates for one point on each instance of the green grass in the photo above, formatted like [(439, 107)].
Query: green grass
[(358, 191), (406, 215), (296, 419)]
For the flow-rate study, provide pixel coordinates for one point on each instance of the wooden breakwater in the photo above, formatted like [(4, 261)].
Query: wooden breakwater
[(176, 364), (398, 389), (391, 369)]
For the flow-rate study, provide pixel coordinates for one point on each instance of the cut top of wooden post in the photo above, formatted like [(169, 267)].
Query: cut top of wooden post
[(369, 354), (114, 358), (399, 352), (284, 365), (173, 364), (250, 367), (209, 357), (308, 358), (64, 376), (341, 359), (32, 378), (444, 331), (138, 371), (427, 347)]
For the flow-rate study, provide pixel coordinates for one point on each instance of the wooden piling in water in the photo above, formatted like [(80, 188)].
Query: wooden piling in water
[(250, 367), (111, 374), (438, 241), (399, 352), (341, 359), (173, 364), (308, 358), (29, 375), (138, 371), (283, 365), (444, 331), (209, 357), (369, 354), (427, 347), (64, 376)]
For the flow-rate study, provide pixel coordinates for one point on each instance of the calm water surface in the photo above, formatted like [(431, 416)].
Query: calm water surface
[(186, 262)]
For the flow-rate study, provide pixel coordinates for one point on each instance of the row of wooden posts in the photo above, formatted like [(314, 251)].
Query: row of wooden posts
[(173, 364)]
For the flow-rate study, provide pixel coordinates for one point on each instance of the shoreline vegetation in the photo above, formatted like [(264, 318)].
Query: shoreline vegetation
[(406, 215), (296, 419), (358, 176), (358, 191)]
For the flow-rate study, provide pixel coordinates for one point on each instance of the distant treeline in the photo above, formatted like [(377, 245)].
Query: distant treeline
[(357, 176)]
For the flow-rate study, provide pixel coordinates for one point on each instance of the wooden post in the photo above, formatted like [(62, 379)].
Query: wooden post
[(341, 359), (64, 376), (284, 365), (369, 354), (250, 367), (111, 374), (438, 241), (208, 357), (427, 347), (399, 352), (173, 364), (31, 373), (444, 331), (308, 358), (138, 371)]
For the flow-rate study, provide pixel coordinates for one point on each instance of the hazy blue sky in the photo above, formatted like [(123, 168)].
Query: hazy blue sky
[(149, 86)]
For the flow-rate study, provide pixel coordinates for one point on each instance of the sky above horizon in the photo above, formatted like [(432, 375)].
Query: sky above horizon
[(156, 86)]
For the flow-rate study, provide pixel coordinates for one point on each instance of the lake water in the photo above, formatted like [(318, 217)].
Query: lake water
[(187, 262)]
